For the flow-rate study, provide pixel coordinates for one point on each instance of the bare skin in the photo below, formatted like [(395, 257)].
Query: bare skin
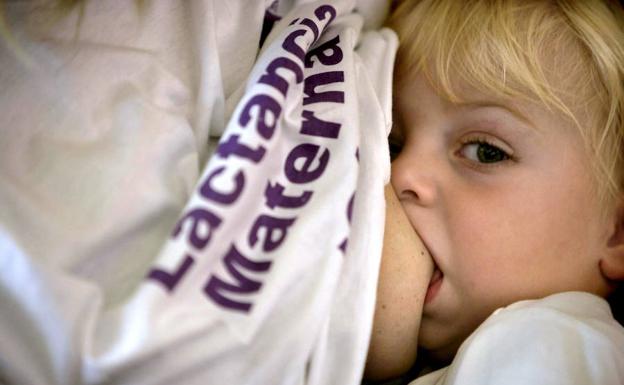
[(405, 272)]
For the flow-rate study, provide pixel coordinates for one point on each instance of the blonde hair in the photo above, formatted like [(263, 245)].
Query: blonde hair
[(515, 48)]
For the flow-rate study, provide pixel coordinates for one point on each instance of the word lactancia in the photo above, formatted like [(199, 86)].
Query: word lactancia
[(305, 163)]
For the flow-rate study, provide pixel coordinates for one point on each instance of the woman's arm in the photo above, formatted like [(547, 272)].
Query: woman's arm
[(404, 275)]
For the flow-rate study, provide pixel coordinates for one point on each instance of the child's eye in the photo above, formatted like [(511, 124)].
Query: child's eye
[(395, 148), (483, 152), (395, 143)]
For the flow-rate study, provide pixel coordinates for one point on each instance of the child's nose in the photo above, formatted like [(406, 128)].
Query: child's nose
[(413, 179)]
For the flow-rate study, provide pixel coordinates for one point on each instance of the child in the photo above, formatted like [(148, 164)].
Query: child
[(509, 135)]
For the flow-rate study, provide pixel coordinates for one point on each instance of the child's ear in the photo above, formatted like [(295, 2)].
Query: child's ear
[(612, 265)]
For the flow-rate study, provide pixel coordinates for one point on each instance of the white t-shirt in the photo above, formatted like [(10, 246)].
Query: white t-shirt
[(568, 339), (128, 258)]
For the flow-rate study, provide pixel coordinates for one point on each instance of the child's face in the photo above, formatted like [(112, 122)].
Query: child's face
[(501, 194)]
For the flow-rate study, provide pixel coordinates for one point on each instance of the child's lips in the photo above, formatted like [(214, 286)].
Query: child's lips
[(434, 285)]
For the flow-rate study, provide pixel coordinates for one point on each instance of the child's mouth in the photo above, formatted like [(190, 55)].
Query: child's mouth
[(434, 285)]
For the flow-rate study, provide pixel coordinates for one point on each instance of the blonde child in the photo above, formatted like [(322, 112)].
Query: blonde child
[(509, 164)]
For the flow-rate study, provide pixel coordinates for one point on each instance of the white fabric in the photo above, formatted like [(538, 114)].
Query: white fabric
[(102, 137), (104, 126), (568, 338)]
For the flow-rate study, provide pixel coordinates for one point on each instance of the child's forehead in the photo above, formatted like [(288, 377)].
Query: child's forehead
[(467, 97), (562, 91)]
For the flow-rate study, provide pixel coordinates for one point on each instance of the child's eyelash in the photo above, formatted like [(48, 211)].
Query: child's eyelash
[(484, 152), (478, 149)]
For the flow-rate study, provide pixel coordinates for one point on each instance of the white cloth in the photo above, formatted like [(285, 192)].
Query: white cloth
[(568, 338), (104, 127)]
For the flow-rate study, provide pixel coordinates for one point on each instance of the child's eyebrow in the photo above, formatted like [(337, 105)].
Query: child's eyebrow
[(501, 105)]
